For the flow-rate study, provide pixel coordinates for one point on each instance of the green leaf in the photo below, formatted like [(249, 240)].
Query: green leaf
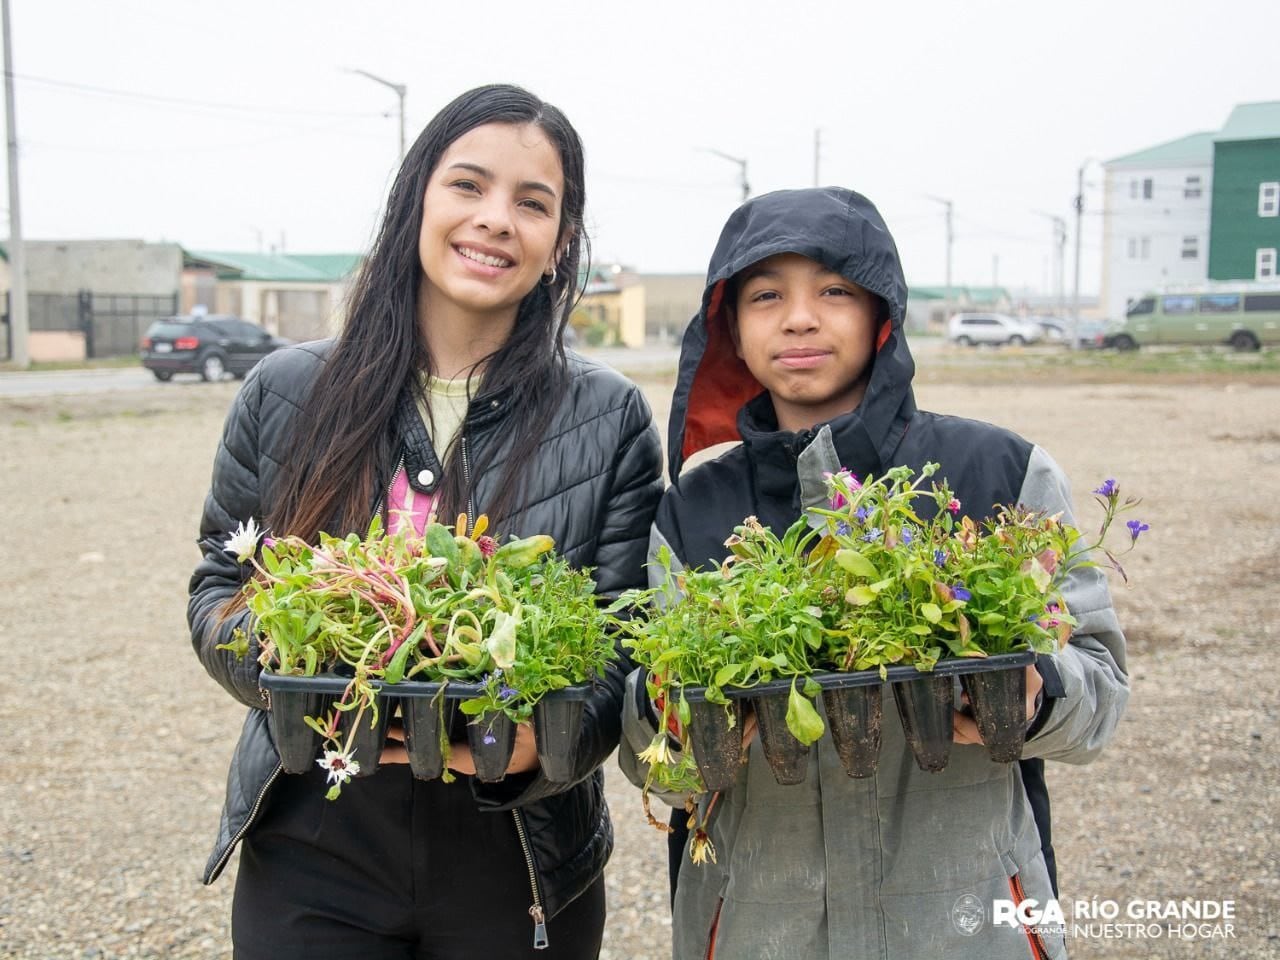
[(931, 612), (726, 673), (856, 564), (860, 595), (802, 719)]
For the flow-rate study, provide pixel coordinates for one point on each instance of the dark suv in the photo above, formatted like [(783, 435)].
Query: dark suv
[(210, 345)]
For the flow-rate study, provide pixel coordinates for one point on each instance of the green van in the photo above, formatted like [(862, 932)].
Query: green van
[(1245, 316)]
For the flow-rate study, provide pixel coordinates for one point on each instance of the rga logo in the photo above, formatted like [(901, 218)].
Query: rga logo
[(968, 916), (1026, 913)]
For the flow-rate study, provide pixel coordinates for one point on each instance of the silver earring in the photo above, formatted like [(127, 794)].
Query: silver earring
[(549, 279)]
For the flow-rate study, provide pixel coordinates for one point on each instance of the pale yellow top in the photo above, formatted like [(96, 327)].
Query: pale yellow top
[(448, 410)]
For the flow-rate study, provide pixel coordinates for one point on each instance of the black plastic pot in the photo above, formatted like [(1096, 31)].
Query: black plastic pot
[(365, 735), (998, 699), (788, 758), (492, 738), (717, 747), (557, 723), (428, 722), (925, 705), (297, 744), (853, 714)]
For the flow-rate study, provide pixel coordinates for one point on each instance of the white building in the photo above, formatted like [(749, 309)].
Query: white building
[(1156, 216)]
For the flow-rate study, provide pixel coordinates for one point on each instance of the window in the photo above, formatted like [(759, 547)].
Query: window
[(1261, 302), (1190, 248), (1269, 199), (1145, 244), (1191, 190), (1145, 305), (1148, 186), (1133, 189), (1133, 248), (1172, 305), (1265, 264), (1220, 303)]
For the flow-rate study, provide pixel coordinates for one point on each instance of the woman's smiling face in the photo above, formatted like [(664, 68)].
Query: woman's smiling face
[(490, 219)]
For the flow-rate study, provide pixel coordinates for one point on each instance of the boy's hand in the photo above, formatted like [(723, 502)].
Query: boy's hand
[(964, 729)]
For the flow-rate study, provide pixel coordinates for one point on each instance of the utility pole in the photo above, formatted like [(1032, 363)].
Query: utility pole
[(817, 155), (1075, 290), (18, 327), (742, 170), (400, 90), (950, 242), (1060, 243)]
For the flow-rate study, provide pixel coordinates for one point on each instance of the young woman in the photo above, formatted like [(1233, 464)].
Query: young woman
[(447, 391)]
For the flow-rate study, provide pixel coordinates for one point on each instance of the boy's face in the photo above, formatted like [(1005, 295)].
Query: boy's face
[(808, 336)]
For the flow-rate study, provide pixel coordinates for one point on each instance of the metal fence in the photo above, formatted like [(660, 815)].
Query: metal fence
[(112, 323)]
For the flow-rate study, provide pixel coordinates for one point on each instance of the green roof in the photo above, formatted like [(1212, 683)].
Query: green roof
[(1252, 121), (1193, 150), (294, 267), (959, 294)]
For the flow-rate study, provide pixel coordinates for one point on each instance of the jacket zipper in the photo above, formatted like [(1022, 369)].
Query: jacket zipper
[(1038, 950), (540, 941), (466, 481), (386, 497), (253, 815)]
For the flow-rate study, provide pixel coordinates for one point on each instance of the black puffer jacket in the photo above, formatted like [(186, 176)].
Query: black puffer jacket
[(594, 486)]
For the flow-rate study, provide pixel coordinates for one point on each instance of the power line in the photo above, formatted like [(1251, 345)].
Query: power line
[(157, 100)]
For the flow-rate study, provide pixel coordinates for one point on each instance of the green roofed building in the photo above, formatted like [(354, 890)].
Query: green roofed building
[(297, 295), (1245, 230), (1205, 206)]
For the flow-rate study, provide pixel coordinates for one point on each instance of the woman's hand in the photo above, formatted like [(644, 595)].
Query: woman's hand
[(965, 729), (524, 756)]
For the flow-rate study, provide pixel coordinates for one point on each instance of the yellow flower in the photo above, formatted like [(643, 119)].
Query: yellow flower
[(701, 849), (658, 753)]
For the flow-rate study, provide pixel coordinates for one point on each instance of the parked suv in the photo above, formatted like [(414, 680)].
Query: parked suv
[(968, 329), (210, 345)]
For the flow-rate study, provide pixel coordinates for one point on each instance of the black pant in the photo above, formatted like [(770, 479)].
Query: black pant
[(394, 868)]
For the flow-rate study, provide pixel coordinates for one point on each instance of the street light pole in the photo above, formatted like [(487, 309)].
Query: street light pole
[(742, 171), (18, 326), (950, 242), (1075, 290), (400, 90)]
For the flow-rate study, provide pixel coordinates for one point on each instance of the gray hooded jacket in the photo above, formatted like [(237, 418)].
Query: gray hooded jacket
[(904, 864)]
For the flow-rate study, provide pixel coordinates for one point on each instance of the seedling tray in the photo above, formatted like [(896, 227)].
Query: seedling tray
[(429, 711)]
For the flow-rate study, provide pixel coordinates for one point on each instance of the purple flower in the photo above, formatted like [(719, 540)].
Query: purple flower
[(960, 593), (862, 513), (907, 536), (871, 535), (1109, 488), (940, 558), (507, 693), (1135, 528), (843, 529), (490, 739)]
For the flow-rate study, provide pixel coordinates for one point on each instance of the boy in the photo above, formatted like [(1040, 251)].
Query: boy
[(799, 352)]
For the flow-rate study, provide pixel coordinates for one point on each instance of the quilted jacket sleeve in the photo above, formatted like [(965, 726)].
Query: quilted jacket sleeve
[(1094, 679), (634, 490), (234, 497)]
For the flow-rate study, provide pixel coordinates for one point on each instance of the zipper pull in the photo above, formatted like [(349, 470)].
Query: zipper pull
[(540, 941)]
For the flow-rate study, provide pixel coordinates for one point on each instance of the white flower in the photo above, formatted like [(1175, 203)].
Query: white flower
[(658, 752), (244, 542), (339, 765)]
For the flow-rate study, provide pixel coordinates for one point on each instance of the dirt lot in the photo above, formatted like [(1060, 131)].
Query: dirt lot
[(119, 742)]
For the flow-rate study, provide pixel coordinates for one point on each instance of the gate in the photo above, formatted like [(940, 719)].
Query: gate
[(112, 323)]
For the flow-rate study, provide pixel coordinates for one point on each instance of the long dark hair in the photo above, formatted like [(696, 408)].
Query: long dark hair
[(346, 431)]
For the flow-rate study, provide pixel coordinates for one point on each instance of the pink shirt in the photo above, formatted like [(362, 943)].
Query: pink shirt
[(407, 505)]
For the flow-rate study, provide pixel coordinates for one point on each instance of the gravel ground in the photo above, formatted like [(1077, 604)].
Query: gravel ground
[(110, 801)]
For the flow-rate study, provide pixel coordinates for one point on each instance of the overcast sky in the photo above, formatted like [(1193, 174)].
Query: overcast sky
[(232, 125)]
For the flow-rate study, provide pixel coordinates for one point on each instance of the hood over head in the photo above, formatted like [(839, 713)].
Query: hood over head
[(844, 232)]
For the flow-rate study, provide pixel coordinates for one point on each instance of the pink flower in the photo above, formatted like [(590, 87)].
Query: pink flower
[(488, 546), (953, 505)]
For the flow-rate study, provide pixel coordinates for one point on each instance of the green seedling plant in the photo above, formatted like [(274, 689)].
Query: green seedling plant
[(930, 582), (450, 605)]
